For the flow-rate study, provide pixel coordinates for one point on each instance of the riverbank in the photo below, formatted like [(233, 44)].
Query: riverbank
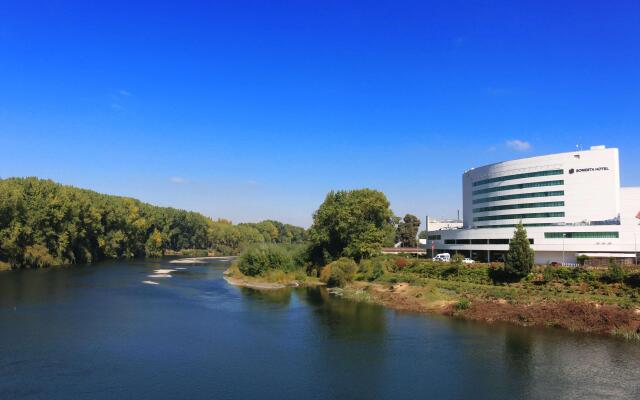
[(574, 315), (572, 304), (274, 279), (200, 260)]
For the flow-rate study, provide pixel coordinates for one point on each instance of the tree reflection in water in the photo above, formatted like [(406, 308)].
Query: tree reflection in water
[(276, 297), (345, 318)]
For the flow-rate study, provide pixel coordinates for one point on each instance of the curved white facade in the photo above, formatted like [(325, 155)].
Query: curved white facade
[(557, 189), (571, 203)]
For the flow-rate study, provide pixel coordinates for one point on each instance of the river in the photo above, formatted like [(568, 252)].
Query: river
[(99, 332)]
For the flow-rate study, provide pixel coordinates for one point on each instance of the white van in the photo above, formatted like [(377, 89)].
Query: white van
[(443, 257)]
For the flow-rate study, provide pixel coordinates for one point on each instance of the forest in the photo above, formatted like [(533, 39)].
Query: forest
[(43, 223)]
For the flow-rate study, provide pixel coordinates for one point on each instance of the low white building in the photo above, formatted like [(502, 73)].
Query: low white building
[(570, 203)]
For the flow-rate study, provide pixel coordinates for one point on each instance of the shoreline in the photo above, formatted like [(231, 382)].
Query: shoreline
[(200, 260), (571, 315), (263, 284), (563, 313)]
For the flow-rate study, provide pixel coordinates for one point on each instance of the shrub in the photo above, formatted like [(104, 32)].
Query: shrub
[(463, 304), (400, 264), (457, 259), (257, 260), (376, 272), (548, 274), (374, 268), (615, 273), (339, 272), (299, 255)]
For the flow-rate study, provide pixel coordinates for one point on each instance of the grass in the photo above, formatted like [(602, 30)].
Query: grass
[(545, 283)]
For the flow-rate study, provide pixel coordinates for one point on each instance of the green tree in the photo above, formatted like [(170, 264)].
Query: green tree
[(520, 256), (408, 230), (354, 223), (257, 260), (155, 244)]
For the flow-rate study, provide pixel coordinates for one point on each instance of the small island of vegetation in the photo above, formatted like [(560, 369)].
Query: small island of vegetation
[(343, 251)]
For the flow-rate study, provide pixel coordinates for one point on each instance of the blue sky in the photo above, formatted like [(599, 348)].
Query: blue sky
[(250, 110)]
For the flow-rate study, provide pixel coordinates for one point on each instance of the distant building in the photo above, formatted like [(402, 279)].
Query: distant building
[(570, 203), (440, 224)]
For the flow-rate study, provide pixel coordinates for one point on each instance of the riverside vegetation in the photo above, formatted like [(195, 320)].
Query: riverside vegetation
[(43, 224), (343, 252), (46, 224)]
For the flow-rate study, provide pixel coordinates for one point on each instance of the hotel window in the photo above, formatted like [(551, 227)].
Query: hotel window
[(463, 241), (519, 176), (479, 241), (520, 216), (519, 186), (519, 196), (524, 205), (513, 225), (449, 241), (498, 241), (582, 235)]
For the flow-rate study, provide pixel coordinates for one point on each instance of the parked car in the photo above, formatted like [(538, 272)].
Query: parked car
[(442, 257), (468, 261)]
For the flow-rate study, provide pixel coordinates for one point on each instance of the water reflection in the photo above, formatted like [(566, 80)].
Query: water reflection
[(34, 286), (276, 297), (345, 318), (97, 329)]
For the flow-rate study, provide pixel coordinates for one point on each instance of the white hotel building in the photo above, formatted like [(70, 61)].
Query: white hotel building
[(570, 203)]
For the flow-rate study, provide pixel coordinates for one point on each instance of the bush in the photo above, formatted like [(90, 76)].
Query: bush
[(400, 264), (463, 304), (457, 259), (339, 272), (616, 273), (377, 272), (374, 268), (548, 274), (260, 259)]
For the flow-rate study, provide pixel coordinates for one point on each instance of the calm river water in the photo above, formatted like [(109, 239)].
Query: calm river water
[(99, 332)]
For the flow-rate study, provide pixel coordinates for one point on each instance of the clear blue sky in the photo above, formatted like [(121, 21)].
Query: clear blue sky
[(251, 110)]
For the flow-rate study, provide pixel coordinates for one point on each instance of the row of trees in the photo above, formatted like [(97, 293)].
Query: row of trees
[(43, 223), (358, 223)]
